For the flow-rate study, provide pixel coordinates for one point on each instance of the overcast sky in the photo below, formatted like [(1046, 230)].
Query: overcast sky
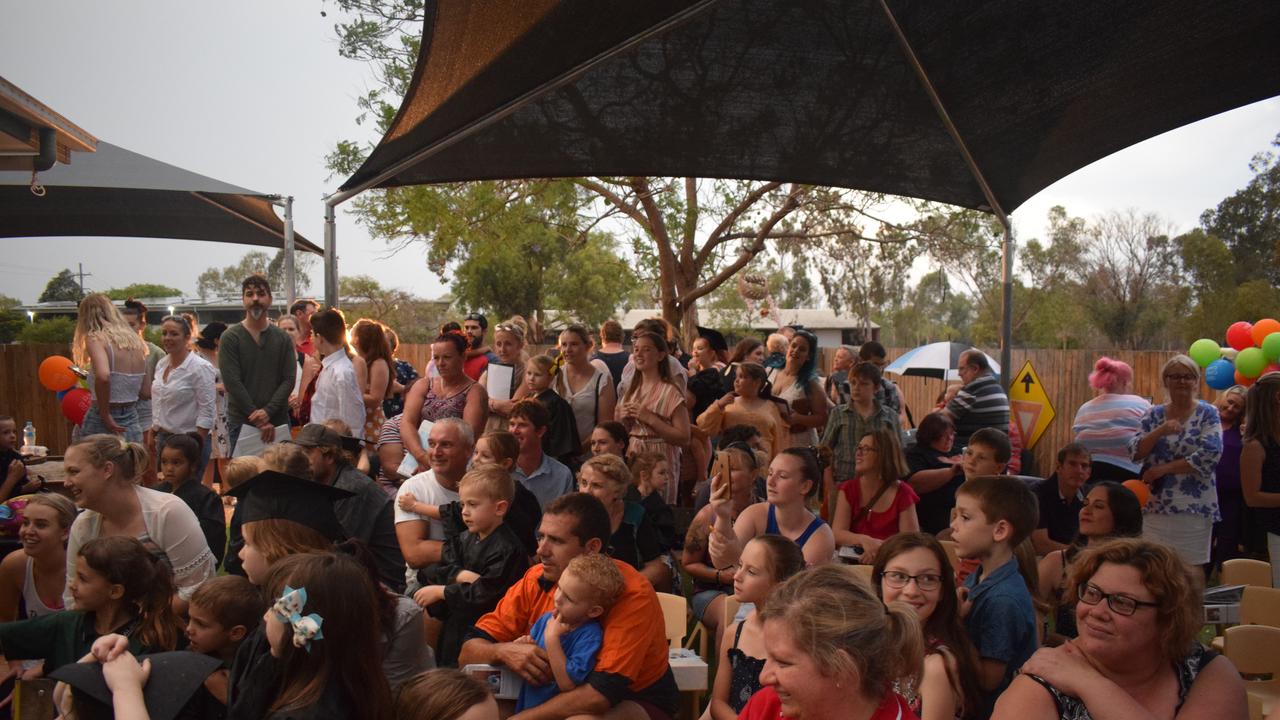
[(254, 94)]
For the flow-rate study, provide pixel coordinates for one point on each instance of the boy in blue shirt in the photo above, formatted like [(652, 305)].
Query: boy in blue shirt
[(571, 633), (993, 514)]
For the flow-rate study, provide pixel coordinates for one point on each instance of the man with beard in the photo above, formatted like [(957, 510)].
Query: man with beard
[(478, 354), (258, 365)]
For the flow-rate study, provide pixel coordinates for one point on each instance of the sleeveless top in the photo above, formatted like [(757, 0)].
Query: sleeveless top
[(585, 402), (1270, 517), (32, 604), (1070, 708), (435, 407), (125, 387), (1064, 615), (771, 527), (791, 394), (744, 673), (907, 687)]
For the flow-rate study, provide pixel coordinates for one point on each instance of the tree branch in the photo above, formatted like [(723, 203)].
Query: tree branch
[(788, 205), (630, 210), (716, 236)]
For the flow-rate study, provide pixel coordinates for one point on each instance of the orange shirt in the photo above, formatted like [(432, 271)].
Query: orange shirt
[(635, 643)]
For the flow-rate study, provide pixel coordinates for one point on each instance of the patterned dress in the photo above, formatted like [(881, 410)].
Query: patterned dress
[(662, 399), (1199, 443), (1187, 669)]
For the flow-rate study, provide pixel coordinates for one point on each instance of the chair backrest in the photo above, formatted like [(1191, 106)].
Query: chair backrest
[(1251, 648), (675, 614), (731, 606), (864, 572), (950, 546), (1260, 606), (1244, 571)]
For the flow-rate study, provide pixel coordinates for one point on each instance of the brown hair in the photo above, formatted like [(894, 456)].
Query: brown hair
[(338, 590), (287, 458), (147, 582), (532, 410), (1004, 497), (611, 331), (663, 367), (60, 504), (611, 467), (785, 556), (371, 342), (331, 325), (642, 466), (890, 464), (502, 444), (491, 481), (1176, 587), (866, 371), (997, 440), (1262, 418), (440, 694), (277, 539), (945, 626), (602, 575), (129, 459), (232, 600), (879, 643), (744, 348), (581, 331)]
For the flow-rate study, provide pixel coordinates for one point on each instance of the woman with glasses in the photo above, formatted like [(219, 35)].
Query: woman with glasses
[(876, 504), (1137, 656), (913, 568), (1179, 444)]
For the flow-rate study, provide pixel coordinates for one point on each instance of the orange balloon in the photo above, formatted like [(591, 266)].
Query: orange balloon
[(1140, 489), (56, 373), (1245, 381), (1263, 328)]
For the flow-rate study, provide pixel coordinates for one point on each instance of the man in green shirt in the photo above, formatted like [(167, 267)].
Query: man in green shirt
[(258, 365)]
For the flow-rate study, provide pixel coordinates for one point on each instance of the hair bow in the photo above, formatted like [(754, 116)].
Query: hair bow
[(305, 627)]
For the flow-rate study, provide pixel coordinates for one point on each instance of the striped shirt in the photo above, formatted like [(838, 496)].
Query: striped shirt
[(980, 404), (1105, 425)]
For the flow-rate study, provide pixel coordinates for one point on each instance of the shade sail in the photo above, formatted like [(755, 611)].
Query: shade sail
[(117, 193), (815, 91)]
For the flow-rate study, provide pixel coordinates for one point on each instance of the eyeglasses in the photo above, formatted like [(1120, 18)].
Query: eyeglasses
[(1181, 378), (899, 580), (863, 449), (1091, 594)]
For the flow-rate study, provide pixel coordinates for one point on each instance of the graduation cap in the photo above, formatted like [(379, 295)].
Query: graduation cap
[(175, 678), (718, 343), (272, 495), (317, 435)]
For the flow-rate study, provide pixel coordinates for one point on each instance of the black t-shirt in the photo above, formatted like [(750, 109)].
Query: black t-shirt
[(635, 542), (615, 361), (1060, 517), (934, 508)]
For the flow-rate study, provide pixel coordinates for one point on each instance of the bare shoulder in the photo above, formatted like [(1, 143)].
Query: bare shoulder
[(13, 567), (1025, 699)]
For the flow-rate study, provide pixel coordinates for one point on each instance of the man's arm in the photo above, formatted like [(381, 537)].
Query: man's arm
[(582, 700), (287, 370), (419, 551), (1043, 544)]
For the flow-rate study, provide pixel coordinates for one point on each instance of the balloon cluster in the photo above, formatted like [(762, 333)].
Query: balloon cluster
[(59, 374), (1253, 350)]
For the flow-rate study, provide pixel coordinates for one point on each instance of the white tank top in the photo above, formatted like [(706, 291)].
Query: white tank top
[(31, 597)]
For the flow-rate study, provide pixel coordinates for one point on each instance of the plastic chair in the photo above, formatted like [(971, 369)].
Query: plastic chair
[(950, 546), (1258, 606), (731, 606), (1251, 648), (1243, 571), (864, 572), (675, 613)]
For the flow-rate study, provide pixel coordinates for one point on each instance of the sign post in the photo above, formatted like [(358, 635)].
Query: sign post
[(1030, 405)]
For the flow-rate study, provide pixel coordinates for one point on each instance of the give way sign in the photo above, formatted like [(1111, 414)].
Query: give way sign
[(1030, 405)]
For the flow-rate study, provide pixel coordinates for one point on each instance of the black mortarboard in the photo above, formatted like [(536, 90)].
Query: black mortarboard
[(175, 678), (272, 495), (715, 338)]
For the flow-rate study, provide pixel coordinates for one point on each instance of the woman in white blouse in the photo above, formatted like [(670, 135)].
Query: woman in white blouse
[(184, 391)]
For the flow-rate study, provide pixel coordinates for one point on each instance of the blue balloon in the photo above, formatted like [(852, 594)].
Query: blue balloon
[(62, 394), (1220, 375)]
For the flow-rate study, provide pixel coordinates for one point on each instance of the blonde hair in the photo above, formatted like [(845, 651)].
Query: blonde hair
[(287, 458), (1176, 587), (861, 635), (1180, 360), (130, 459), (543, 363), (97, 315), (240, 469), (275, 539), (491, 481), (642, 467), (601, 574), (440, 694), (61, 505), (612, 468)]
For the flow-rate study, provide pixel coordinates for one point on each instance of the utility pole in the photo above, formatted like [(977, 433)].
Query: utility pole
[(82, 275)]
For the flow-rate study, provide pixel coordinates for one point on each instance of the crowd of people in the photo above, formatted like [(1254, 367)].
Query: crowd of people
[(502, 507)]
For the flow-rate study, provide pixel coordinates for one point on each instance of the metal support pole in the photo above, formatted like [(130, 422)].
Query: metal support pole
[(1006, 307), (290, 279), (330, 258)]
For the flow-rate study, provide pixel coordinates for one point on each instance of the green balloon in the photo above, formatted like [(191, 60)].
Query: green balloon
[(1205, 351), (1271, 347), (1251, 362)]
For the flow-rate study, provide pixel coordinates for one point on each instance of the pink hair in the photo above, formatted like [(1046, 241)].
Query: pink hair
[(1110, 375)]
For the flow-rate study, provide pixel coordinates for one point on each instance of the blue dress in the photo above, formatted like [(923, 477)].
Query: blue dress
[(580, 649)]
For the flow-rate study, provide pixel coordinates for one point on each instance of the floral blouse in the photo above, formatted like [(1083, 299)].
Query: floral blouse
[(1199, 443)]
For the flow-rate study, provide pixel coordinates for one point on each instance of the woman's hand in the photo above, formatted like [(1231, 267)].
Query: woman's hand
[(125, 673), (720, 498), (108, 647), (870, 546), (629, 410), (1170, 427), (111, 425), (1065, 667)]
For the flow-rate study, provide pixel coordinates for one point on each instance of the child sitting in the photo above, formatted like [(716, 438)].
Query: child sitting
[(994, 513), (446, 694), (13, 471), (652, 473), (986, 454), (561, 439), (179, 460), (571, 633), (118, 587), (221, 613), (766, 561), (476, 566), (236, 472)]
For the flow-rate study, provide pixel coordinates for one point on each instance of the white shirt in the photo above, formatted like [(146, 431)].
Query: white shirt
[(426, 489), (188, 399), (337, 394)]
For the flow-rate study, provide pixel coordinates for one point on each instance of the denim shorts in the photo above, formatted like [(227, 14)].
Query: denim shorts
[(126, 416), (702, 600)]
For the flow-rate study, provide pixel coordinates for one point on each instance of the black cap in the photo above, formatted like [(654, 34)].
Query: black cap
[(714, 337), (317, 435), (480, 318), (272, 495), (175, 678)]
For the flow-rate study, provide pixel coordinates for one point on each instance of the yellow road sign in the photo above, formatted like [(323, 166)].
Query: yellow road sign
[(1030, 405)]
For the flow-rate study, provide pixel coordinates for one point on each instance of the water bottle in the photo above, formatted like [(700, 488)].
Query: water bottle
[(29, 435)]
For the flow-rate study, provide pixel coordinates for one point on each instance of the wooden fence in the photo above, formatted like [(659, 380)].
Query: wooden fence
[(1064, 373)]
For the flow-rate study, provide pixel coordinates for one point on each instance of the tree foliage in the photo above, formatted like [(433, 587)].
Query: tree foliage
[(1248, 221), (142, 290), (225, 282), (62, 287), (56, 330), (415, 320)]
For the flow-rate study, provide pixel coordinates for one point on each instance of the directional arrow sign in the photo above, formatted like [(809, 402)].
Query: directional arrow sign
[(1030, 404)]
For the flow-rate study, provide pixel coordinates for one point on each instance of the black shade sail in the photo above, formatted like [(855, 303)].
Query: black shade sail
[(117, 193), (815, 91)]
